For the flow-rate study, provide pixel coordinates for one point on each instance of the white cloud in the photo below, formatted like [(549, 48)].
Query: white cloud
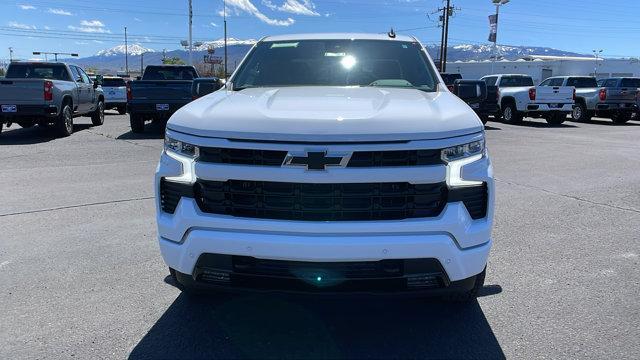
[(214, 24), (82, 43), (136, 19), (98, 42), (59, 12), (248, 7), (27, 7), (92, 23), (18, 25), (299, 7), (89, 29), (47, 27)]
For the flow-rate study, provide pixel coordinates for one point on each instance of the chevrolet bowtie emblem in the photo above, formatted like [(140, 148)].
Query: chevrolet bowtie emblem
[(316, 160)]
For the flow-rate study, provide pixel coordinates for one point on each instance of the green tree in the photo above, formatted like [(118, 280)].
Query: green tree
[(1, 72), (173, 61)]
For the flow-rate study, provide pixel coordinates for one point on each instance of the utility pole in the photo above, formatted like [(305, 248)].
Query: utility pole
[(141, 63), (448, 12), (10, 54), (225, 37), (126, 51), (190, 33)]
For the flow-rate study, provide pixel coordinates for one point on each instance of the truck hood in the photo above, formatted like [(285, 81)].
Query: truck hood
[(327, 114)]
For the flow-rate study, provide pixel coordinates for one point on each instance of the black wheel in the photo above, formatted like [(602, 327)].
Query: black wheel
[(469, 295), (26, 123), (580, 113), (137, 123), (1, 126), (97, 118), (620, 117), (510, 114), (64, 125), (556, 118), (122, 110)]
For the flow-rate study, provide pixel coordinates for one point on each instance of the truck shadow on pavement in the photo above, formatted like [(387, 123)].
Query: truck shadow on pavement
[(152, 130), (279, 326), (15, 135)]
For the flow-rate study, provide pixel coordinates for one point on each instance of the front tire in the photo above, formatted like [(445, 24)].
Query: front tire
[(97, 118), (470, 295), (64, 125), (510, 114), (122, 110), (580, 113), (621, 118), (26, 123), (556, 118), (137, 123)]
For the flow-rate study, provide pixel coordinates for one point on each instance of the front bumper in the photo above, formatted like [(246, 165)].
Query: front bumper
[(454, 239)]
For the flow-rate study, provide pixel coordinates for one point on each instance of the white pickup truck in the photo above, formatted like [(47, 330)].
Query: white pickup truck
[(328, 163), (519, 98)]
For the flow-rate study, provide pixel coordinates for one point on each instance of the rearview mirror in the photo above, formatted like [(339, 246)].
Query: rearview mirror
[(471, 91)]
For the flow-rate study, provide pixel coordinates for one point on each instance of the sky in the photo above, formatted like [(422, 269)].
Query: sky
[(86, 27)]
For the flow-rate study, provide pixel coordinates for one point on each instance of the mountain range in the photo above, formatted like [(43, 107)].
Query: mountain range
[(113, 59)]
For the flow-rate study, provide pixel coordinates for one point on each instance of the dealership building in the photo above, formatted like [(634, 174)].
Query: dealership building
[(540, 67)]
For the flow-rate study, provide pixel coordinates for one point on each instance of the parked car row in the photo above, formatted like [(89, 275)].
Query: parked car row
[(556, 97), (51, 94)]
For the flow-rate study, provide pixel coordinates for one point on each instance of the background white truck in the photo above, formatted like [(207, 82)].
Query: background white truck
[(519, 98)]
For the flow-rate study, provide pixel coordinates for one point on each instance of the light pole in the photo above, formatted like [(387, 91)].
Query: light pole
[(126, 51), (190, 33), (224, 2), (497, 3), (596, 54), (10, 54)]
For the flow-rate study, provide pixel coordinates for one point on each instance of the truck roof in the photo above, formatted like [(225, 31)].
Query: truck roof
[(38, 63), (503, 75), (338, 36)]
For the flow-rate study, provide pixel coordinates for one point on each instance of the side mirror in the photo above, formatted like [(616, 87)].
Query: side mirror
[(471, 91), (203, 87)]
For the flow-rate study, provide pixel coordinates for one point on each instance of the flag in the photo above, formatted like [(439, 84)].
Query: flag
[(493, 27)]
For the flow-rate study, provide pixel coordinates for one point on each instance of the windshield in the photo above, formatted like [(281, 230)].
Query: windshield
[(630, 82), (37, 71), (336, 63), (169, 73), (113, 83), (516, 81), (585, 82)]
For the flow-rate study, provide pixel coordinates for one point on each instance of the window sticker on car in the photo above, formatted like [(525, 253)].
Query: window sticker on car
[(284, 45)]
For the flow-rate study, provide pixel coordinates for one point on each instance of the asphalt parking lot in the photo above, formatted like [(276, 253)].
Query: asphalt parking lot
[(81, 275)]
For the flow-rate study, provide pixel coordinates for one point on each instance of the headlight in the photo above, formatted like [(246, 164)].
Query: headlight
[(456, 157), (181, 148), (460, 152)]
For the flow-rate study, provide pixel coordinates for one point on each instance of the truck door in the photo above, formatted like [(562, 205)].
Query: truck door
[(91, 92), (84, 95)]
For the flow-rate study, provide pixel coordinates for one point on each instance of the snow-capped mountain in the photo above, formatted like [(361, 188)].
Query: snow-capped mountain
[(112, 60), (220, 43), (465, 52), (134, 50)]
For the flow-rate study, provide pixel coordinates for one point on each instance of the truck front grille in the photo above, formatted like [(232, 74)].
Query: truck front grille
[(321, 202), (358, 159)]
